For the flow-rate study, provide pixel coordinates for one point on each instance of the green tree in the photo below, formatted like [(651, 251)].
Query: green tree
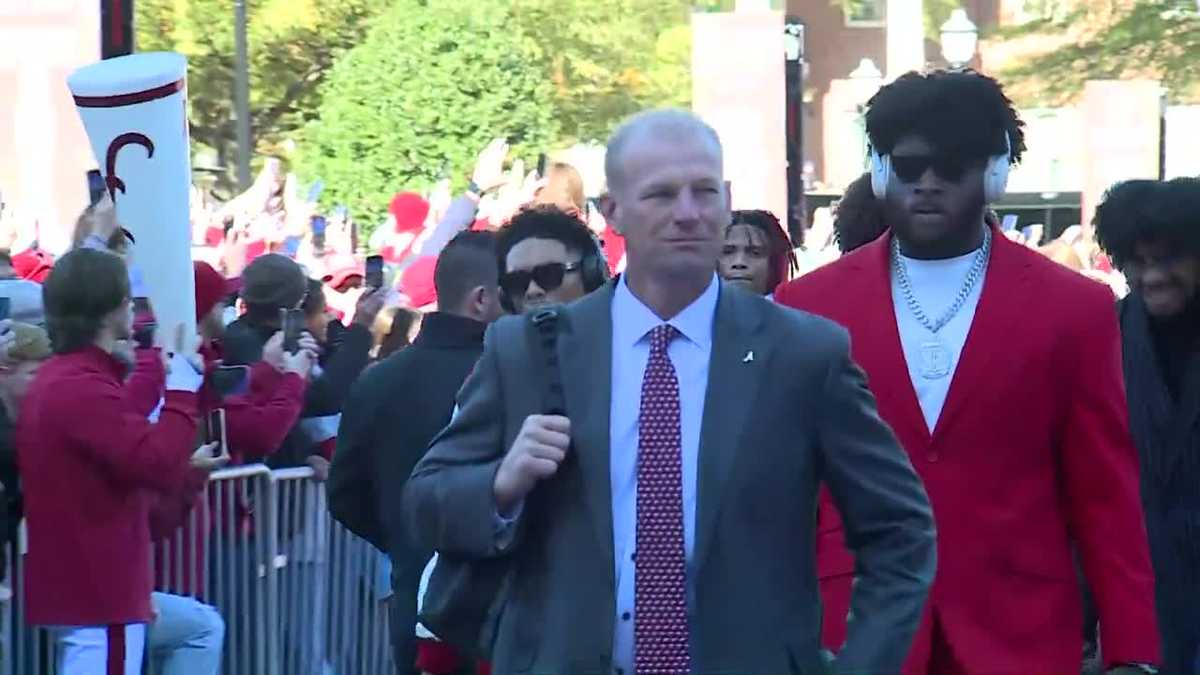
[(430, 85), (1157, 39), (609, 58), (292, 46)]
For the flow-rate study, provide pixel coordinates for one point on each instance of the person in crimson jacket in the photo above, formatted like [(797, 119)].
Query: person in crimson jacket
[(91, 466), (1000, 372), (257, 420), (273, 283)]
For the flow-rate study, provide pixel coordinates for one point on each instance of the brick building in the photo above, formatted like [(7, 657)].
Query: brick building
[(837, 41)]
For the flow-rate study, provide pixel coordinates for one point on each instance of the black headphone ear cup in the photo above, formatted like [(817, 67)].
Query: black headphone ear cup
[(595, 270)]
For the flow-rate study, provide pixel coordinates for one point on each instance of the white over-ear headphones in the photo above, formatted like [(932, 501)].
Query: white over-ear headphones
[(995, 174)]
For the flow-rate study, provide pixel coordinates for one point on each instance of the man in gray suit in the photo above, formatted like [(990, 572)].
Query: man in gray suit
[(666, 525)]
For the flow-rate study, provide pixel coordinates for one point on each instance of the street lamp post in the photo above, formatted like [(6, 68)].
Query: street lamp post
[(867, 78), (793, 49), (241, 93), (960, 36)]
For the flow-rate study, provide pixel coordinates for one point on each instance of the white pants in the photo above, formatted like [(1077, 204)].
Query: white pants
[(104, 650)]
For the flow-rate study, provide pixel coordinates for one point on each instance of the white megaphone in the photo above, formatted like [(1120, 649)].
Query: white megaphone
[(134, 109)]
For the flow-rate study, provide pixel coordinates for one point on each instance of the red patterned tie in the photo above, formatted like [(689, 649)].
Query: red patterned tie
[(660, 628)]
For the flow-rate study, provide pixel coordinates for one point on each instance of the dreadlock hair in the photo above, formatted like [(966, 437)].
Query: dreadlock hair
[(959, 112), (1144, 210), (782, 259), (858, 217)]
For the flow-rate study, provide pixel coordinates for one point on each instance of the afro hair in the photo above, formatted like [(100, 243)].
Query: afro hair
[(858, 217), (1148, 210), (960, 112)]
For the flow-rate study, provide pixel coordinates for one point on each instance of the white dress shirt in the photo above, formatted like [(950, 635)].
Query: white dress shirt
[(632, 321)]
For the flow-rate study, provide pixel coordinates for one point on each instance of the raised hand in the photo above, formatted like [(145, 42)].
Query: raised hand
[(539, 449), (489, 167), (204, 459)]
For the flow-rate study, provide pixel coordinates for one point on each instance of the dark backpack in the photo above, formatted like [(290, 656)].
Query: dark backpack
[(465, 596)]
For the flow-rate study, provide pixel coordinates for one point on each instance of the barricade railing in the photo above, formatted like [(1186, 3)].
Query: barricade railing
[(331, 619), (299, 594), (242, 567), (26, 650)]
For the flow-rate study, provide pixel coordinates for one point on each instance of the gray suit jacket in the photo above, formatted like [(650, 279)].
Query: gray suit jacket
[(777, 427)]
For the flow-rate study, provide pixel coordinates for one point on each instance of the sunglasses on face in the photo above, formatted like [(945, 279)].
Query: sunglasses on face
[(910, 168), (548, 277)]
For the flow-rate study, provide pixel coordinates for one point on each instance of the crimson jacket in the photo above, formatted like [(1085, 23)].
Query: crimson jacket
[(256, 422), (91, 467), (1030, 455)]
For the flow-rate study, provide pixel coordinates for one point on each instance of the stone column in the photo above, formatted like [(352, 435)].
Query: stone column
[(44, 154), (740, 92), (905, 37), (1121, 136), (844, 137)]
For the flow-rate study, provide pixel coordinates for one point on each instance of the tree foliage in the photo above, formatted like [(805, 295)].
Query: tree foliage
[(609, 58), (430, 85), (292, 46), (1155, 39)]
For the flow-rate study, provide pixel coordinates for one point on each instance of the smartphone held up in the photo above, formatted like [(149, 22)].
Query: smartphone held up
[(230, 380), (292, 324), (217, 432), (144, 323), (373, 277)]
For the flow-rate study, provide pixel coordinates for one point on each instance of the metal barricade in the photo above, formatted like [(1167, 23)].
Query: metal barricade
[(332, 618), (242, 565), (27, 650), (300, 594)]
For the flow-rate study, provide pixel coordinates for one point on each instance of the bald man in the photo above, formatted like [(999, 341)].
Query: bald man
[(666, 524)]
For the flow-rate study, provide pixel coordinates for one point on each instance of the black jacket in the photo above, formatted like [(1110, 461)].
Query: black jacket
[(1162, 381), (390, 418), (347, 353)]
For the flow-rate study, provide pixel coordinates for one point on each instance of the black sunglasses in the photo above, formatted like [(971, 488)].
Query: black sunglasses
[(548, 277), (910, 168)]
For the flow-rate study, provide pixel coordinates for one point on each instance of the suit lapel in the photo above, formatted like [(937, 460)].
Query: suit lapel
[(999, 310), (876, 341), (737, 367), (585, 352)]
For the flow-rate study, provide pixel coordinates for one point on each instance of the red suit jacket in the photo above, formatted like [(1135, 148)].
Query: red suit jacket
[(1031, 453)]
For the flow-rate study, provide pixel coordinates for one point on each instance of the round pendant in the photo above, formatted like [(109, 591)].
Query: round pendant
[(935, 360)]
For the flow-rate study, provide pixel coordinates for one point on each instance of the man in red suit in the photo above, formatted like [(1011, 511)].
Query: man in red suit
[(1000, 372)]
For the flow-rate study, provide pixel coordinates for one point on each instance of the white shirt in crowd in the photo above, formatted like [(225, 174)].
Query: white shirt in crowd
[(935, 284)]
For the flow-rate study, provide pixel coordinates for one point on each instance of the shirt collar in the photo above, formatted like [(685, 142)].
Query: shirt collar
[(442, 329), (695, 322)]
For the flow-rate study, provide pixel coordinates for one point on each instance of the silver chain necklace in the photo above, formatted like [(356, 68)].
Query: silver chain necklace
[(935, 357)]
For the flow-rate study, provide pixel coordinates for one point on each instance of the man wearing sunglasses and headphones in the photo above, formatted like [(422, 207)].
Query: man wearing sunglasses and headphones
[(548, 257), (999, 370)]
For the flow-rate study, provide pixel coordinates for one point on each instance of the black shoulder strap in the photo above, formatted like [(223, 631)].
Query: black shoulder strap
[(545, 321)]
